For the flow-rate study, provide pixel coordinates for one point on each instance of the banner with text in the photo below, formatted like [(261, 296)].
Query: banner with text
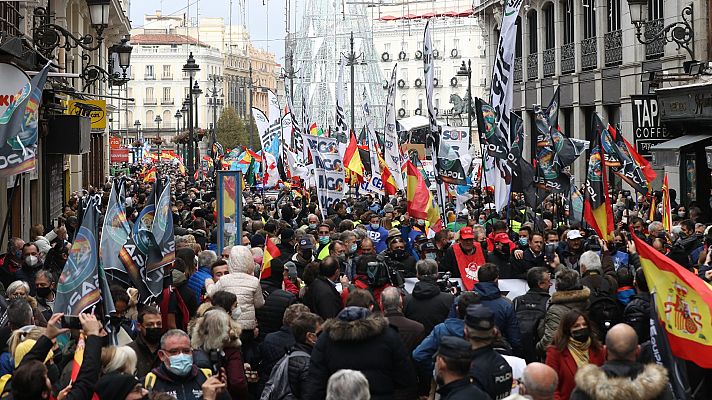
[(329, 170)]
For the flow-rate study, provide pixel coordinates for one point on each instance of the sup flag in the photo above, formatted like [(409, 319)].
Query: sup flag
[(683, 303), (114, 234), (449, 165), (341, 128), (495, 143), (597, 206), (82, 283)]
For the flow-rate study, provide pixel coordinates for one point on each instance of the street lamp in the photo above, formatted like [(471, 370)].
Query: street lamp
[(158, 135), (137, 125), (466, 70), (681, 33), (178, 116), (352, 59), (196, 92), (215, 99), (191, 68)]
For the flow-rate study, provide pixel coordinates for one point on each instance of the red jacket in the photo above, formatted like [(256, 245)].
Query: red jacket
[(563, 363)]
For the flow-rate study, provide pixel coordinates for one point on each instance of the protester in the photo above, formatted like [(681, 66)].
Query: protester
[(427, 304)]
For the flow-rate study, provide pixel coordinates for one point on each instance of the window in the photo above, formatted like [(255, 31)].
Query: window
[(149, 93), (404, 75), (420, 102), (167, 72), (438, 73), (167, 118), (387, 47), (655, 9), (614, 15), (568, 10), (149, 118), (149, 72), (549, 24), (589, 19), (166, 94), (186, 92), (10, 17), (456, 44), (518, 46), (404, 102), (404, 46), (533, 38)]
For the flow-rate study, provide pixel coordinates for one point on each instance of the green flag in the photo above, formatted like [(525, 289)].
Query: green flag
[(250, 175)]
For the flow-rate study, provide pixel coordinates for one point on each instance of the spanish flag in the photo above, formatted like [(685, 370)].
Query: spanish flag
[(597, 210), (389, 183), (313, 130), (420, 200), (683, 303), (271, 252), (150, 175), (352, 159), (78, 358), (667, 212)]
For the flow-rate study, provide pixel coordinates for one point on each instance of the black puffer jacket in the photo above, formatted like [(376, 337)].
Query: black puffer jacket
[(269, 317), (368, 345), (427, 304), (298, 371), (637, 315)]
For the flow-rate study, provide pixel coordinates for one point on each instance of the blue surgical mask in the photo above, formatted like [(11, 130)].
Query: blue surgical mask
[(324, 239), (312, 226), (375, 227), (181, 364), (430, 256), (353, 248), (523, 241)]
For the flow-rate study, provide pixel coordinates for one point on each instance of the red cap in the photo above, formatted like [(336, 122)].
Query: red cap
[(501, 237), (466, 233)]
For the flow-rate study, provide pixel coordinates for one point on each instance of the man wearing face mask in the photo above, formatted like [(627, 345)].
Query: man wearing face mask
[(11, 261), (312, 223), (324, 238), (146, 345), (176, 375), (304, 254), (377, 233), (45, 284), (397, 252), (30, 265)]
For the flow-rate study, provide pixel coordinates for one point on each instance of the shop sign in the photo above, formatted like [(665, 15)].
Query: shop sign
[(647, 129), (120, 155), (94, 109), (114, 142)]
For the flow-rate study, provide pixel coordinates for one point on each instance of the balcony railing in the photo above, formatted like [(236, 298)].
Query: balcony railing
[(549, 62), (613, 47), (167, 102), (533, 66), (168, 77), (518, 69), (149, 77), (589, 53), (150, 102), (568, 58), (655, 49)]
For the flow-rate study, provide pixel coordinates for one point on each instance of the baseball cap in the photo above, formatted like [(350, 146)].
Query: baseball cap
[(456, 348), (574, 234), (501, 238), (427, 246), (480, 320), (466, 233), (464, 212), (257, 240), (305, 244)]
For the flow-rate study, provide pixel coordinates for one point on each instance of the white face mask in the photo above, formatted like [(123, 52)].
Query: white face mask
[(31, 260)]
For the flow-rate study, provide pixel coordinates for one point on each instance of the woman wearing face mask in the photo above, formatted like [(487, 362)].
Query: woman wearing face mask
[(216, 344), (574, 346), (20, 289)]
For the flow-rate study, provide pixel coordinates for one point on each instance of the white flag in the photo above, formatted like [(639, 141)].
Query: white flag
[(390, 141), (263, 127), (429, 72), (374, 184), (341, 126), (274, 112), (296, 167)]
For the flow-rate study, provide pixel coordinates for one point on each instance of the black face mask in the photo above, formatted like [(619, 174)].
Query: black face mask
[(581, 335), (43, 292), (399, 254), (153, 335)]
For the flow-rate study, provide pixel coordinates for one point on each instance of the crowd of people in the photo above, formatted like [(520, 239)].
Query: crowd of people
[(366, 303)]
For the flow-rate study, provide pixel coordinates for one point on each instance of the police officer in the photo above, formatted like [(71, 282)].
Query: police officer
[(489, 370), (451, 364)]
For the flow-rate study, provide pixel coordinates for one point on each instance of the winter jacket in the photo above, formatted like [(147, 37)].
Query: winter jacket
[(423, 354), (368, 345), (248, 291), (622, 380), (269, 317), (560, 303), (196, 282), (298, 372), (274, 347), (504, 316), (637, 315), (529, 261), (146, 360), (565, 366), (491, 372), (410, 332), (322, 298), (427, 304), (594, 280), (461, 389), (187, 387)]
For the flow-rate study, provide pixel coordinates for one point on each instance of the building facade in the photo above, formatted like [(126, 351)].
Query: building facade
[(457, 37), (589, 50)]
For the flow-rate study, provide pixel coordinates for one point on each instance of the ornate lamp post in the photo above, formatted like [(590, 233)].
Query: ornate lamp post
[(681, 33), (191, 68)]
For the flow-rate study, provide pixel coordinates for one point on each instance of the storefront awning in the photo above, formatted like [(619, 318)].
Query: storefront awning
[(668, 153)]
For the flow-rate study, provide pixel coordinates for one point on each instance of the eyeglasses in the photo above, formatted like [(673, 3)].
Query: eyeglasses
[(174, 352)]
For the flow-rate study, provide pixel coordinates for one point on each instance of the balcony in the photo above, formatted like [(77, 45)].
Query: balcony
[(656, 49), (613, 48), (150, 102), (149, 77), (589, 53), (167, 102), (518, 69), (568, 58), (533, 66), (549, 62), (167, 77)]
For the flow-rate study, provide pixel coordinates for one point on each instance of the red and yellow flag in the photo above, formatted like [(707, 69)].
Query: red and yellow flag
[(271, 252), (150, 175), (78, 357), (420, 200), (683, 304), (667, 212), (389, 183), (352, 159)]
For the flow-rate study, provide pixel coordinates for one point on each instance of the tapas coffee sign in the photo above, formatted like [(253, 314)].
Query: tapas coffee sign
[(94, 109)]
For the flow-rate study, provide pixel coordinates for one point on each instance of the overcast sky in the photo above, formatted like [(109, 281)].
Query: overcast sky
[(265, 32)]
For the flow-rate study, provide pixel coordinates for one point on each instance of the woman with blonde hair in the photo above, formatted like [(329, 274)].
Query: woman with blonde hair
[(216, 343), (21, 289), (118, 359)]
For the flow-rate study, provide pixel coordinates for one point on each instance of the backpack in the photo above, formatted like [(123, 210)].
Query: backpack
[(278, 387), (604, 311), (530, 315)]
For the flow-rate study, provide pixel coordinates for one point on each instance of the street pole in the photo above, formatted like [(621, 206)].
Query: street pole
[(191, 131), (249, 112), (469, 98), (352, 60), (158, 136)]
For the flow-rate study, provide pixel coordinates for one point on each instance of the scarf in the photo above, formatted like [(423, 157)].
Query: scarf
[(579, 350)]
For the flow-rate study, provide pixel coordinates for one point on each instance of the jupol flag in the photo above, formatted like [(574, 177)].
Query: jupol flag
[(271, 252), (597, 206), (352, 158), (644, 165), (667, 211), (683, 302)]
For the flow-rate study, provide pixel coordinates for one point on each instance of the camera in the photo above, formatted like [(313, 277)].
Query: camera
[(549, 251), (385, 270), (446, 284), (217, 360), (592, 244)]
